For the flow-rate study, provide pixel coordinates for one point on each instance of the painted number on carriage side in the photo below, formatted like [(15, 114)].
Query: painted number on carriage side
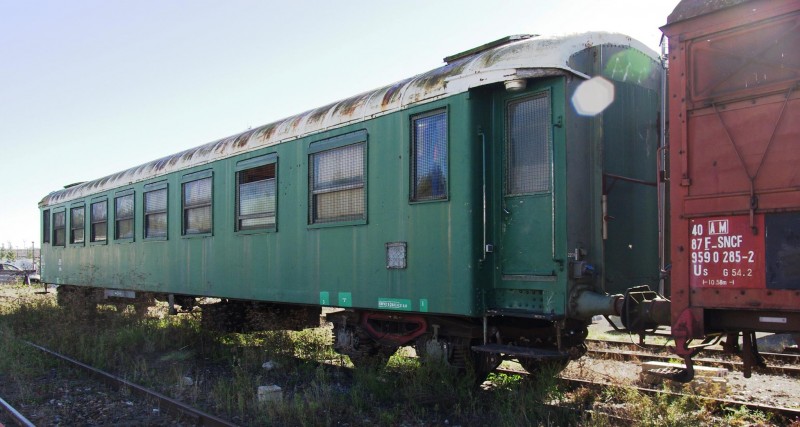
[(726, 253)]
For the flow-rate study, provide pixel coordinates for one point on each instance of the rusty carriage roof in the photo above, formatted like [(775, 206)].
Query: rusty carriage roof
[(518, 57)]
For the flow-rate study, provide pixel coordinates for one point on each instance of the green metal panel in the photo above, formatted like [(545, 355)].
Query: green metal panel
[(622, 150), (531, 228), (345, 264), (526, 241), (340, 265), (630, 139)]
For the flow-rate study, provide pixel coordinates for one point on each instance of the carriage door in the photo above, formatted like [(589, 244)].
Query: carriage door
[(526, 207)]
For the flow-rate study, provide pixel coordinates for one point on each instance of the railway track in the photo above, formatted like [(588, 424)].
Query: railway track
[(777, 363), (788, 413), (574, 383), (15, 416), (165, 403)]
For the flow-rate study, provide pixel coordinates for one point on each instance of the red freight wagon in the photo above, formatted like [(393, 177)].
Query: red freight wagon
[(734, 171)]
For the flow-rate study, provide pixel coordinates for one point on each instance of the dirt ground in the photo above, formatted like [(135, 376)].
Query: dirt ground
[(776, 390)]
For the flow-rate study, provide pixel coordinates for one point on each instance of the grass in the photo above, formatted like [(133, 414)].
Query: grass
[(221, 373)]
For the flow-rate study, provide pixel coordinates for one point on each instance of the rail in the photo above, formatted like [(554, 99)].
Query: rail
[(168, 404), (18, 418)]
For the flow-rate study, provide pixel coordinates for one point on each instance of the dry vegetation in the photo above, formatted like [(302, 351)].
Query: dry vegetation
[(221, 373)]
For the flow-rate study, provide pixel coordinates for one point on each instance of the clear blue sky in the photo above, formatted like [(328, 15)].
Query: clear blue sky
[(89, 88)]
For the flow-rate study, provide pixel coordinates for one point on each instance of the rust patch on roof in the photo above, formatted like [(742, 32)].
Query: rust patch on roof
[(265, 132), (687, 9), (392, 93), (350, 105), (243, 138), (295, 121), (320, 113), (482, 68)]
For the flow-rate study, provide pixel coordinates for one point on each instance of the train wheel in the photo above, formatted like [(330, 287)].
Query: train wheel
[(477, 365), (143, 307), (538, 367), (371, 357), (363, 351), (76, 300), (434, 351), (141, 310), (484, 364)]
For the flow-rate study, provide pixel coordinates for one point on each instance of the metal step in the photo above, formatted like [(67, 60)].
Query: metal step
[(681, 375), (517, 351), (516, 312)]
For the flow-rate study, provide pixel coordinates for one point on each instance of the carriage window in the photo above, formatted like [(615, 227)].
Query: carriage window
[(77, 225), (527, 146), (255, 198), (197, 206), (429, 156), (60, 228), (123, 217), (336, 180), (46, 226), (98, 217), (155, 214)]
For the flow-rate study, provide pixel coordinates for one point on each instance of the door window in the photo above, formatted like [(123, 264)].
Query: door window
[(528, 146)]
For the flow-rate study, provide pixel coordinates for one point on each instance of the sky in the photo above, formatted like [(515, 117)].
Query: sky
[(92, 87)]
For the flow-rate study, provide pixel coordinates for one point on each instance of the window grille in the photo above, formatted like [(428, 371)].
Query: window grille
[(197, 206), (396, 255), (528, 146), (60, 229), (77, 225), (46, 226), (336, 178), (123, 217), (256, 198), (155, 214), (429, 157), (99, 221)]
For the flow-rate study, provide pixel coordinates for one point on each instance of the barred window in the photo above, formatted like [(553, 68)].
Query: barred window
[(46, 226), (528, 146), (197, 206), (255, 195), (60, 228), (98, 218), (123, 217), (336, 178), (77, 225), (155, 214), (429, 156)]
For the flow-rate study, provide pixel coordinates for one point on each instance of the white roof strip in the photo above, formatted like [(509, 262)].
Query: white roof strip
[(513, 60)]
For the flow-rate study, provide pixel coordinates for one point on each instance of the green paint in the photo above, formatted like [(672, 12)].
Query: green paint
[(395, 304), (294, 262), (532, 233), (345, 299)]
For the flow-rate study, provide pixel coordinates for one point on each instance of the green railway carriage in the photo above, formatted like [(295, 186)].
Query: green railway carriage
[(469, 210)]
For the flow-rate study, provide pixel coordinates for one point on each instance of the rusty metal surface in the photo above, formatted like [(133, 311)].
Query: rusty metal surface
[(734, 126), (514, 60), (688, 9)]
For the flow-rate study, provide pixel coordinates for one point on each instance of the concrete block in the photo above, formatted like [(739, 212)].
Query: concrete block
[(701, 373), (270, 393)]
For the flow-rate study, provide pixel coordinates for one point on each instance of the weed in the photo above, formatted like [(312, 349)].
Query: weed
[(222, 372), (660, 409), (742, 416)]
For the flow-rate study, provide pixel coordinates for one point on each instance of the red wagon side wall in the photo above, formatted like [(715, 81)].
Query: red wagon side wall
[(734, 165)]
